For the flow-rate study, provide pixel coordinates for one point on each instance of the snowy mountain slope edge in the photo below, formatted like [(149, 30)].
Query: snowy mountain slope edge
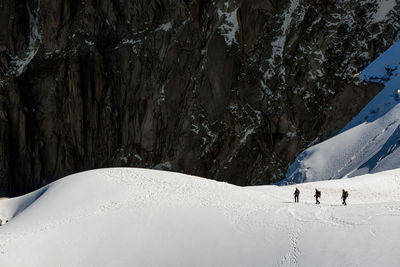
[(138, 217), (368, 144)]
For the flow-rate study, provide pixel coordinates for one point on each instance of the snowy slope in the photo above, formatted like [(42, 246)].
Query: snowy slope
[(136, 217), (369, 143)]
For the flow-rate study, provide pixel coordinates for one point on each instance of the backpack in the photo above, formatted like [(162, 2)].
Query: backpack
[(318, 193), (346, 194)]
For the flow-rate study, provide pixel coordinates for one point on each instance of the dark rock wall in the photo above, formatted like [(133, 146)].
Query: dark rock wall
[(229, 90)]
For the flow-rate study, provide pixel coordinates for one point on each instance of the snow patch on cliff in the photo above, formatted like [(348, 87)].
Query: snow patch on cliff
[(35, 39), (246, 134), (165, 27), (384, 7), (279, 44), (230, 27)]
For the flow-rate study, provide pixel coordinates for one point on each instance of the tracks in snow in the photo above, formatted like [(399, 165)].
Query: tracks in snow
[(362, 149), (295, 229)]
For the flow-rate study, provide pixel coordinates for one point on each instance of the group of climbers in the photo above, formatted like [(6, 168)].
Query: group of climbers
[(317, 195)]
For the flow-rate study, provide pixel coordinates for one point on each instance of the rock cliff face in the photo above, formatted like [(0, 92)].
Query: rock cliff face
[(230, 90)]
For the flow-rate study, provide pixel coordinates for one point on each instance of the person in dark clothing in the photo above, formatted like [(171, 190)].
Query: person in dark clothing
[(296, 195), (317, 196), (345, 194)]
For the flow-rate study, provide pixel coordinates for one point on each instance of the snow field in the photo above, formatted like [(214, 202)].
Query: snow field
[(137, 217)]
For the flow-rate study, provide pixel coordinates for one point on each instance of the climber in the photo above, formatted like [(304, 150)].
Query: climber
[(317, 195), (296, 195), (345, 194)]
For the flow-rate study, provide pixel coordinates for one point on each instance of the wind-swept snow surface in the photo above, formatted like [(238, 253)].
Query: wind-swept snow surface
[(370, 142), (136, 217)]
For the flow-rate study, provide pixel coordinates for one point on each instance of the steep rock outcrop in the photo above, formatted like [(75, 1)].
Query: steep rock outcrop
[(230, 90)]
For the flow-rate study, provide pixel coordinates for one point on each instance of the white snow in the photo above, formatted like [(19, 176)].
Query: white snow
[(137, 217), (89, 43), (35, 39), (163, 166), (138, 156), (127, 41), (368, 144), (133, 43), (246, 134), (384, 7), (165, 27), (195, 128), (279, 44), (230, 27)]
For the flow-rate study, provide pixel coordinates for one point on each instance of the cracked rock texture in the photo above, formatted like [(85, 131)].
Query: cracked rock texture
[(228, 90)]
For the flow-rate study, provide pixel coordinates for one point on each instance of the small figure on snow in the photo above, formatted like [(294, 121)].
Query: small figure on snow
[(345, 194), (317, 195), (296, 195)]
